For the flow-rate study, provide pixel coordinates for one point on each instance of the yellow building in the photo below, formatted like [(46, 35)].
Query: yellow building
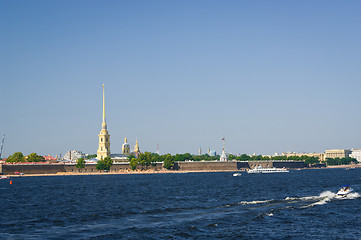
[(337, 153), (320, 156), (136, 149), (104, 137)]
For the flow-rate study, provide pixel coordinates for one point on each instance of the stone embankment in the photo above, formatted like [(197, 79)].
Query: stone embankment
[(202, 166)]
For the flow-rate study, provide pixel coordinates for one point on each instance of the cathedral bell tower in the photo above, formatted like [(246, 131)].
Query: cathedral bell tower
[(104, 137), (136, 149)]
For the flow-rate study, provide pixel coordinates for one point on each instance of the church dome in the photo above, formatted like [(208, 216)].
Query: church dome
[(126, 144)]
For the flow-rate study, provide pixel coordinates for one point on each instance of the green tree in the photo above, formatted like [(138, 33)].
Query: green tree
[(108, 163), (33, 157), (156, 157), (91, 156), (80, 163), (244, 157), (340, 161), (130, 157), (168, 162), (100, 165), (133, 163), (104, 164), (311, 160), (145, 159), (16, 157)]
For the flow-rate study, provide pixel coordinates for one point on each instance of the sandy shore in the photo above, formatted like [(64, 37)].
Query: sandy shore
[(345, 166), (115, 173)]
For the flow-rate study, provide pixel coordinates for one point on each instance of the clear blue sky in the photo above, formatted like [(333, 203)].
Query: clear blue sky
[(269, 76)]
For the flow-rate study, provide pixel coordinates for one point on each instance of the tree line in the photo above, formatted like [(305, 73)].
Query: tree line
[(148, 158), (103, 164), (340, 161), (245, 157), (19, 157)]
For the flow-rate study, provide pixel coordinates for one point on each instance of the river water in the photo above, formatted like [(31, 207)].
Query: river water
[(295, 205)]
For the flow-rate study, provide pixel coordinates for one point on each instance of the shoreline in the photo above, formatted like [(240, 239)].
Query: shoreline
[(162, 171), (116, 173)]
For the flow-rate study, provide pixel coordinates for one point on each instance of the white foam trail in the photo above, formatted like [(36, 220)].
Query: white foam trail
[(353, 195), (322, 202), (323, 195), (255, 202), (291, 198), (327, 194), (321, 199)]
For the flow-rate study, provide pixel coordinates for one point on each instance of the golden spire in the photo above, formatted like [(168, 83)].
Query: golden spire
[(104, 124), (103, 105), (136, 147), (125, 140)]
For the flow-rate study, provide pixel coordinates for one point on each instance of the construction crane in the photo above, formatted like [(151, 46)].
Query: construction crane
[(2, 145)]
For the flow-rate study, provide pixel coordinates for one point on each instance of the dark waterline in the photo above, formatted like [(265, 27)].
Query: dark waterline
[(295, 205)]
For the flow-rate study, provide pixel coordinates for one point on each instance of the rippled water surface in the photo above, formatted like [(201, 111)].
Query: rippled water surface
[(295, 205)]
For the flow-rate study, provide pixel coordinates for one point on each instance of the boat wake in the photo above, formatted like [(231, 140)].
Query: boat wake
[(303, 202), (255, 202)]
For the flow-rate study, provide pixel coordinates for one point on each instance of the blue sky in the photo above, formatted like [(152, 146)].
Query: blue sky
[(269, 76)]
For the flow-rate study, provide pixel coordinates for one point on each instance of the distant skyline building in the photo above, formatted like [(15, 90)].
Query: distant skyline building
[(73, 155), (104, 137), (200, 151), (320, 156), (356, 154), (224, 156), (337, 153), (212, 153)]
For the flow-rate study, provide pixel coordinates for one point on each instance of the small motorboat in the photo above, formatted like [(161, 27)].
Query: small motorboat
[(4, 177), (344, 191), (237, 174)]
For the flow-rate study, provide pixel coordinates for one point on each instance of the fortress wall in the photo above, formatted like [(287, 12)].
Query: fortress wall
[(32, 168), (277, 164), (55, 168), (242, 165), (89, 168), (198, 166), (289, 164), (265, 164), (125, 166), (183, 166), (155, 167), (116, 167)]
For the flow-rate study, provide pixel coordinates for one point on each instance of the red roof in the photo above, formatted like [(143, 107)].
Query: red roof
[(49, 158)]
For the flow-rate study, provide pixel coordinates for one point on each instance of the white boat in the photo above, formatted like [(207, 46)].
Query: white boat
[(4, 177), (237, 174), (268, 170), (344, 191)]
